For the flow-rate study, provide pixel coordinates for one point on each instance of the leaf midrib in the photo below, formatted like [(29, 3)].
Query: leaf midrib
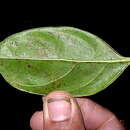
[(123, 59)]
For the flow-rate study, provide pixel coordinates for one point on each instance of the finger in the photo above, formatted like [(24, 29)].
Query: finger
[(36, 121), (96, 117), (61, 112)]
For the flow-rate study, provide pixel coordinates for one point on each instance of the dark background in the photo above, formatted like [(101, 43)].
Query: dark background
[(110, 23)]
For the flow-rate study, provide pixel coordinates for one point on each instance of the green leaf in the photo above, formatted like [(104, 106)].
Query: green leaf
[(59, 58)]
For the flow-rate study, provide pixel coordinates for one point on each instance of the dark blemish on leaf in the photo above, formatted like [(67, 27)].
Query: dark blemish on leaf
[(29, 66), (14, 43)]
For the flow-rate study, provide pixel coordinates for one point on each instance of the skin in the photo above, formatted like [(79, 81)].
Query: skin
[(77, 114)]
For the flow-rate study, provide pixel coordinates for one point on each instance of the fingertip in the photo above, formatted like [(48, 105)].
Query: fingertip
[(57, 106), (61, 110), (36, 121)]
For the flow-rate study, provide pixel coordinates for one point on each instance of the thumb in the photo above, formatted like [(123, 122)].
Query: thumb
[(61, 112)]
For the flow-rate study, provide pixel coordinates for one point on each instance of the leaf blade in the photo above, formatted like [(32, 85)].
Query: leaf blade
[(66, 59)]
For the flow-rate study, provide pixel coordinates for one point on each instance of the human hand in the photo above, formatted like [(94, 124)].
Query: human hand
[(63, 112)]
